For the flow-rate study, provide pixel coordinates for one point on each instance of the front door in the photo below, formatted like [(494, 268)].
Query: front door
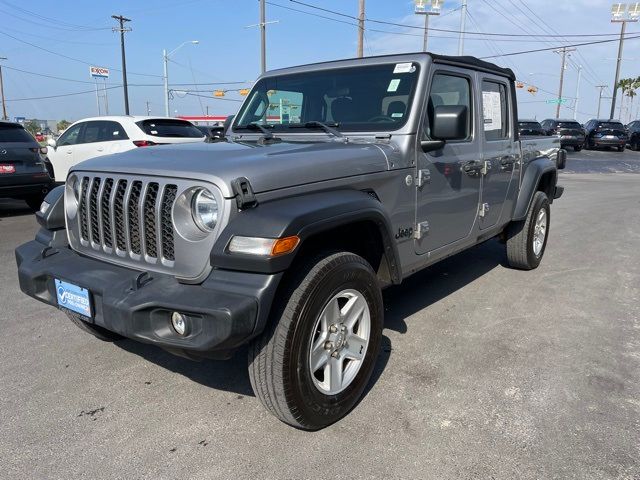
[(448, 196), (500, 152), (63, 157)]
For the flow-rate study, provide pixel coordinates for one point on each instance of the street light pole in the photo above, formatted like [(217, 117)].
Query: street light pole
[(263, 37), (575, 109), (165, 62), (621, 14), (420, 9), (463, 19), (4, 105)]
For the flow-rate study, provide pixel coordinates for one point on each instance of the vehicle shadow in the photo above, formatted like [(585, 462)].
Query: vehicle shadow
[(416, 293), (13, 208)]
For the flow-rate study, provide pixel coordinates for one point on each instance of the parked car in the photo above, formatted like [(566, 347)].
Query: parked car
[(23, 174), (530, 128), (570, 132), (95, 137), (213, 133), (283, 236), (605, 133), (39, 137), (633, 130)]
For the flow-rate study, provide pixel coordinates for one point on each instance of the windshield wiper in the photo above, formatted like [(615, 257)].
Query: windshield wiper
[(315, 124), (267, 135)]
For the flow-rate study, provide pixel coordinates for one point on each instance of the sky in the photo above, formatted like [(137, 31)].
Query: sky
[(62, 39)]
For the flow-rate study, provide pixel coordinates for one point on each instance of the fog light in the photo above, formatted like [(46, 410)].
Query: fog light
[(179, 323)]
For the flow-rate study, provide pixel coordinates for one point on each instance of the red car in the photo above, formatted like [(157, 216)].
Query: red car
[(39, 137)]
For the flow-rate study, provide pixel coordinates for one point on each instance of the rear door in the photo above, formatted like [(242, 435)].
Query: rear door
[(101, 137), (500, 151), (19, 152), (447, 197)]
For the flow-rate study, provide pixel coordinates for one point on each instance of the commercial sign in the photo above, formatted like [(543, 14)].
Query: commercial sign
[(555, 101), (99, 72)]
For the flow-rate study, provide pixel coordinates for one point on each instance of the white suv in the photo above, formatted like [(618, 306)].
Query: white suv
[(94, 137)]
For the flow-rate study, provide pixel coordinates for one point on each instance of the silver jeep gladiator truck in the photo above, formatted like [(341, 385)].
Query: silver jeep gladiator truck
[(334, 181)]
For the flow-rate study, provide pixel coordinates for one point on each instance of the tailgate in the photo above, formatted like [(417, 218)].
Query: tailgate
[(23, 156)]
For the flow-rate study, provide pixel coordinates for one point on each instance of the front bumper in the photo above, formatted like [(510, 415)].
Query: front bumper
[(225, 311)]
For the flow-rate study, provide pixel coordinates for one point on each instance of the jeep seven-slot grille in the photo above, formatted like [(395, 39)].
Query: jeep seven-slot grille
[(130, 217)]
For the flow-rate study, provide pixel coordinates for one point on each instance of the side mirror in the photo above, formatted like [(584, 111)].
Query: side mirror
[(449, 123), (227, 125), (52, 143)]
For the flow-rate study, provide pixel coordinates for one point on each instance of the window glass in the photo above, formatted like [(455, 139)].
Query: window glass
[(569, 125), (611, 125), (91, 132), (170, 128), (11, 133), (110, 131), (363, 98), (70, 137), (494, 110), (448, 90)]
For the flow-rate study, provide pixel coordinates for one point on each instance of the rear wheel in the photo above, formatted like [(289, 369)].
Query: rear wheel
[(97, 331), (621, 148), (577, 148), (527, 239), (312, 365), (636, 146)]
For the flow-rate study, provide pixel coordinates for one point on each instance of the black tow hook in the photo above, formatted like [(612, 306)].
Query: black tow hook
[(141, 280)]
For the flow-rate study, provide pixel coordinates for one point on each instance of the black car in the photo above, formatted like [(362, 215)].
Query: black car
[(530, 128), (23, 174), (605, 133), (213, 134), (570, 132), (634, 135)]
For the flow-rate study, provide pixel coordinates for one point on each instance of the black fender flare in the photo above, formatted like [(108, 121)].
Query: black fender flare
[(533, 172), (303, 215)]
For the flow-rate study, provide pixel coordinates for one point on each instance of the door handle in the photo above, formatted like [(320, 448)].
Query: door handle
[(508, 160), (472, 168), (100, 149), (69, 152)]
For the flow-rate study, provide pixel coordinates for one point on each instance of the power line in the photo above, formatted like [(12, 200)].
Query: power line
[(49, 19), (57, 96), (555, 48)]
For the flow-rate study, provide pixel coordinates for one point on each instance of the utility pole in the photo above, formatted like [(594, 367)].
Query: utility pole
[(122, 31), (148, 107), (463, 19), (619, 14), (360, 53), (263, 37), (4, 105), (575, 108), (601, 87), (563, 51), (421, 9)]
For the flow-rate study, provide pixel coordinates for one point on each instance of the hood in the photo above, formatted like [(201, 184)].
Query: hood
[(268, 167)]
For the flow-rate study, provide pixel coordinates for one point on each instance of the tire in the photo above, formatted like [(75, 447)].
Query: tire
[(49, 168), (521, 252), (279, 360), (35, 201), (636, 146), (577, 148), (97, 331), (621, 149)]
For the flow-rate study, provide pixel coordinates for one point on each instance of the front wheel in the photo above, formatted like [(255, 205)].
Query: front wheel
[(527, 239), (621, 148), (312, 365), (577, 148)]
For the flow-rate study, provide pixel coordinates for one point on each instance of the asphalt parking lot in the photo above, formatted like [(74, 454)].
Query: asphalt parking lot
[(486, 372)]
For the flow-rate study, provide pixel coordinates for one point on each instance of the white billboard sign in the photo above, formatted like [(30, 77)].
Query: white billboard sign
[(99, 72)]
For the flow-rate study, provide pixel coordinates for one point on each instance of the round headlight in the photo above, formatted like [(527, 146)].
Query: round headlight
[(204, 209)]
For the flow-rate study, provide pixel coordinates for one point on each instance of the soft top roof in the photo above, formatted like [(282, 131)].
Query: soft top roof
[(474, 63)]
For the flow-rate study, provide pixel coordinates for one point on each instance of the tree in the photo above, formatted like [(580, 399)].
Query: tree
[(62, 125), (32, 126), (628, 87)]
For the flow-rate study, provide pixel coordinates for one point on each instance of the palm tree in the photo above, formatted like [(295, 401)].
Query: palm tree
[(628, 87)]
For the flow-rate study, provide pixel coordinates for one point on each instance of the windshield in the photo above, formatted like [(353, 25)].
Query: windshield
[(368, 98), (14, 134), (160, 127), (614, 125), (569, 125)]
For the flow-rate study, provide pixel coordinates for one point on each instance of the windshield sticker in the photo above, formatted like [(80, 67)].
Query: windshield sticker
[(491, 110), (404, 68), (397, 115), (393, 85)]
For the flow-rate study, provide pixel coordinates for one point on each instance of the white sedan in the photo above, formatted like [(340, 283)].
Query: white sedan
[(94, 137)]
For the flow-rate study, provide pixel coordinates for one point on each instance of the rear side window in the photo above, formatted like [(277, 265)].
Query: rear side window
[(448, 89), (103, 131), (169, 128), (14, 134), (495, 110)]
